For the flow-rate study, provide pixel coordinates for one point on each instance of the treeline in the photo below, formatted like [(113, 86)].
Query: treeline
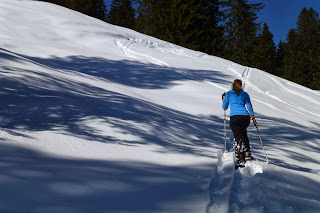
[(93, 8), (225, 28)]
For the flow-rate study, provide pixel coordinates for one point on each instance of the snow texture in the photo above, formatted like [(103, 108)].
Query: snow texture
[(99, 118)]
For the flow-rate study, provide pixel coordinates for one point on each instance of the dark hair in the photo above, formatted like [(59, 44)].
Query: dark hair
[(237, 86)]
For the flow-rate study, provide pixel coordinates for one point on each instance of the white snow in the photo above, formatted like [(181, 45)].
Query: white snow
[(99, 118)]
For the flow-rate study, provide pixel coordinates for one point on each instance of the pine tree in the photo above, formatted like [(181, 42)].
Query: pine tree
[(308, 31), (279, 58), (241, 30), (122, 13), (153, 17), (291, 58), (195, 24), (192, 24), (265, 51), (302, 61), (98, 10), (82, 6), (143, 20)]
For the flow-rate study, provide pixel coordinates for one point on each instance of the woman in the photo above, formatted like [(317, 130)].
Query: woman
[(240, 112)]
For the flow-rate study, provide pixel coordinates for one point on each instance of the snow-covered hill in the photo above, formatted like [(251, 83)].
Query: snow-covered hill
[(99, 118)]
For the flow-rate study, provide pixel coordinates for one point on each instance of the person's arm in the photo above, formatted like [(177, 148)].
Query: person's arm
[(251, 112), (249, 106), (225, 103)]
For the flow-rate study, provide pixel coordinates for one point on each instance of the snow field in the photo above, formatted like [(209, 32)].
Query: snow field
[(99, 118)]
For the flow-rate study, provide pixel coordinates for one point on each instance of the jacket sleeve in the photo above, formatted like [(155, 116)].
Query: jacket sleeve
[(225, 103), (249, 105)]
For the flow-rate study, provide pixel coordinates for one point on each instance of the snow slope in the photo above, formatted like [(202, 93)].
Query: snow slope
[(99, 118)]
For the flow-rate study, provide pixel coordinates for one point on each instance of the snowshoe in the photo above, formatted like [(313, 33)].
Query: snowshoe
[(239, 165)]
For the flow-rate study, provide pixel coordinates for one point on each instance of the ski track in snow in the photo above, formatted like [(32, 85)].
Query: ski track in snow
[(233, 70), (303, 88), (297, 109), (291, 91), (216, 85), (292, 107), (245, 76), (265, 103), (132, 54), (165, 47)]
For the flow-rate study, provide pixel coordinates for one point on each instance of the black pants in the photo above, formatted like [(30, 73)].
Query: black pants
[(239, 125)]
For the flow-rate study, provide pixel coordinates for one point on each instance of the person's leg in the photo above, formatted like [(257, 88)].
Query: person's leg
[(245, 123), (235, 124)]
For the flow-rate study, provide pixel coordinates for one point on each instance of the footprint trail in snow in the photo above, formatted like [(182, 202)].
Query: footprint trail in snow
[(247, 189)]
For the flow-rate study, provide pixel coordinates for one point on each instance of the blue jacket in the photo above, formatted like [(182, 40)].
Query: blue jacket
[(238, 103)]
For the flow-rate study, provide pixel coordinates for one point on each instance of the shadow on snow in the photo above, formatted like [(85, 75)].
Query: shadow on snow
[(38, 101), (32, 182)]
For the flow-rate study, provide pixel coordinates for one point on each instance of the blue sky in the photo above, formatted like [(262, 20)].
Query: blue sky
[(280, 15)]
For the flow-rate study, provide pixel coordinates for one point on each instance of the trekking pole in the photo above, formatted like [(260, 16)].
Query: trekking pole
[(225, 131), (225, 125), (262, 145)]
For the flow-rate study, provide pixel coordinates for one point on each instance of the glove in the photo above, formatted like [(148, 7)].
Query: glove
[(223, 96), (255, 123)]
